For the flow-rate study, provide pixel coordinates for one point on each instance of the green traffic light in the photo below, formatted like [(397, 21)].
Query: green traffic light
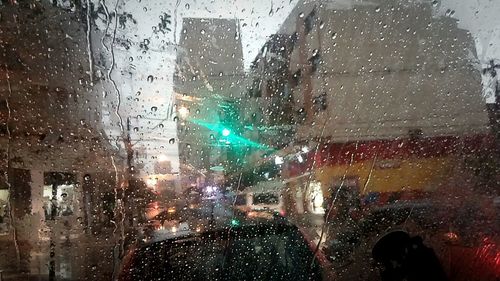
[(235, 222), (226, 132), (232, 138)]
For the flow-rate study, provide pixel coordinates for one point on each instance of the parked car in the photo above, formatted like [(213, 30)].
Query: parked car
[(263, 200), (260, 248)]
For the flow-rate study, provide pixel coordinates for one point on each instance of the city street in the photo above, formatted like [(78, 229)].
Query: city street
[(253, 140)]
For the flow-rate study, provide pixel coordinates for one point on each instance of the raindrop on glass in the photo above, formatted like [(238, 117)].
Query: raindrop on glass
[(187, 6), (171, 141), (150, 78), (154, 108)]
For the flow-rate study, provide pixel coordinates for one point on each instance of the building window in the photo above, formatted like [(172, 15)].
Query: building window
[(301, 115), (294, 38), (256, 91), (415, 133), (296, 78), (315, 61), (320, 102), (309, 21)]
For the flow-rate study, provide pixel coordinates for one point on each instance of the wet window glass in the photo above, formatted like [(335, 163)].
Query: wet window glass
[(144, 140)]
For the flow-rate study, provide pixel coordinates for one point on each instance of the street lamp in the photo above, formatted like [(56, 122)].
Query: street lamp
[(162, 158), (226, 132), (183, 111)]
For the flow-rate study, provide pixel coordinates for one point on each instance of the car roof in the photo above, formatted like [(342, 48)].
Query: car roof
[(246, 230), (239, 224)]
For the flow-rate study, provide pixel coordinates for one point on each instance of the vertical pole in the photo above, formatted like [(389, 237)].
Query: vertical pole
[(53, 234)]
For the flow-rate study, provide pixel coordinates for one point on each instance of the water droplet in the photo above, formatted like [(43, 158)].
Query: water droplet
[(130, 59), (136, 99), (187, 6), (321, 25), (202, 31), (334, 35), (86, 177), (146, 42), (171, 141), (301, 15), (136, 129), (212, 137), (154, 108), (82, 122), (160, 126), (434, 3), (220, 73), (145, 9), (150, 78), (176, 119), (377, 9)]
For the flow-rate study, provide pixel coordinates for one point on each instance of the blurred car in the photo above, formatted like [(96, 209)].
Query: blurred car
[(464, 257), (271, 200), (260, 247), (172, 220)]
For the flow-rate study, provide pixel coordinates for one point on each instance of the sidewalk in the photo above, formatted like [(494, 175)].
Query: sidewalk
[(95, 253)]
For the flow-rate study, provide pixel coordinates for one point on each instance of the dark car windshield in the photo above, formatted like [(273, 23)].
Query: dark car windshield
[(265, 198), (254, 253)]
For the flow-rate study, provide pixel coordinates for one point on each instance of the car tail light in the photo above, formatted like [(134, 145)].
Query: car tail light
[(451, 236)]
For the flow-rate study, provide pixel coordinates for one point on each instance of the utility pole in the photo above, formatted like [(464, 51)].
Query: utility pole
[(130, 151), (128, 173)]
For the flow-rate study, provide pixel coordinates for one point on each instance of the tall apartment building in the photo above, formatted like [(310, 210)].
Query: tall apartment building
[(51, 135), (208, 81), (377, 86)]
